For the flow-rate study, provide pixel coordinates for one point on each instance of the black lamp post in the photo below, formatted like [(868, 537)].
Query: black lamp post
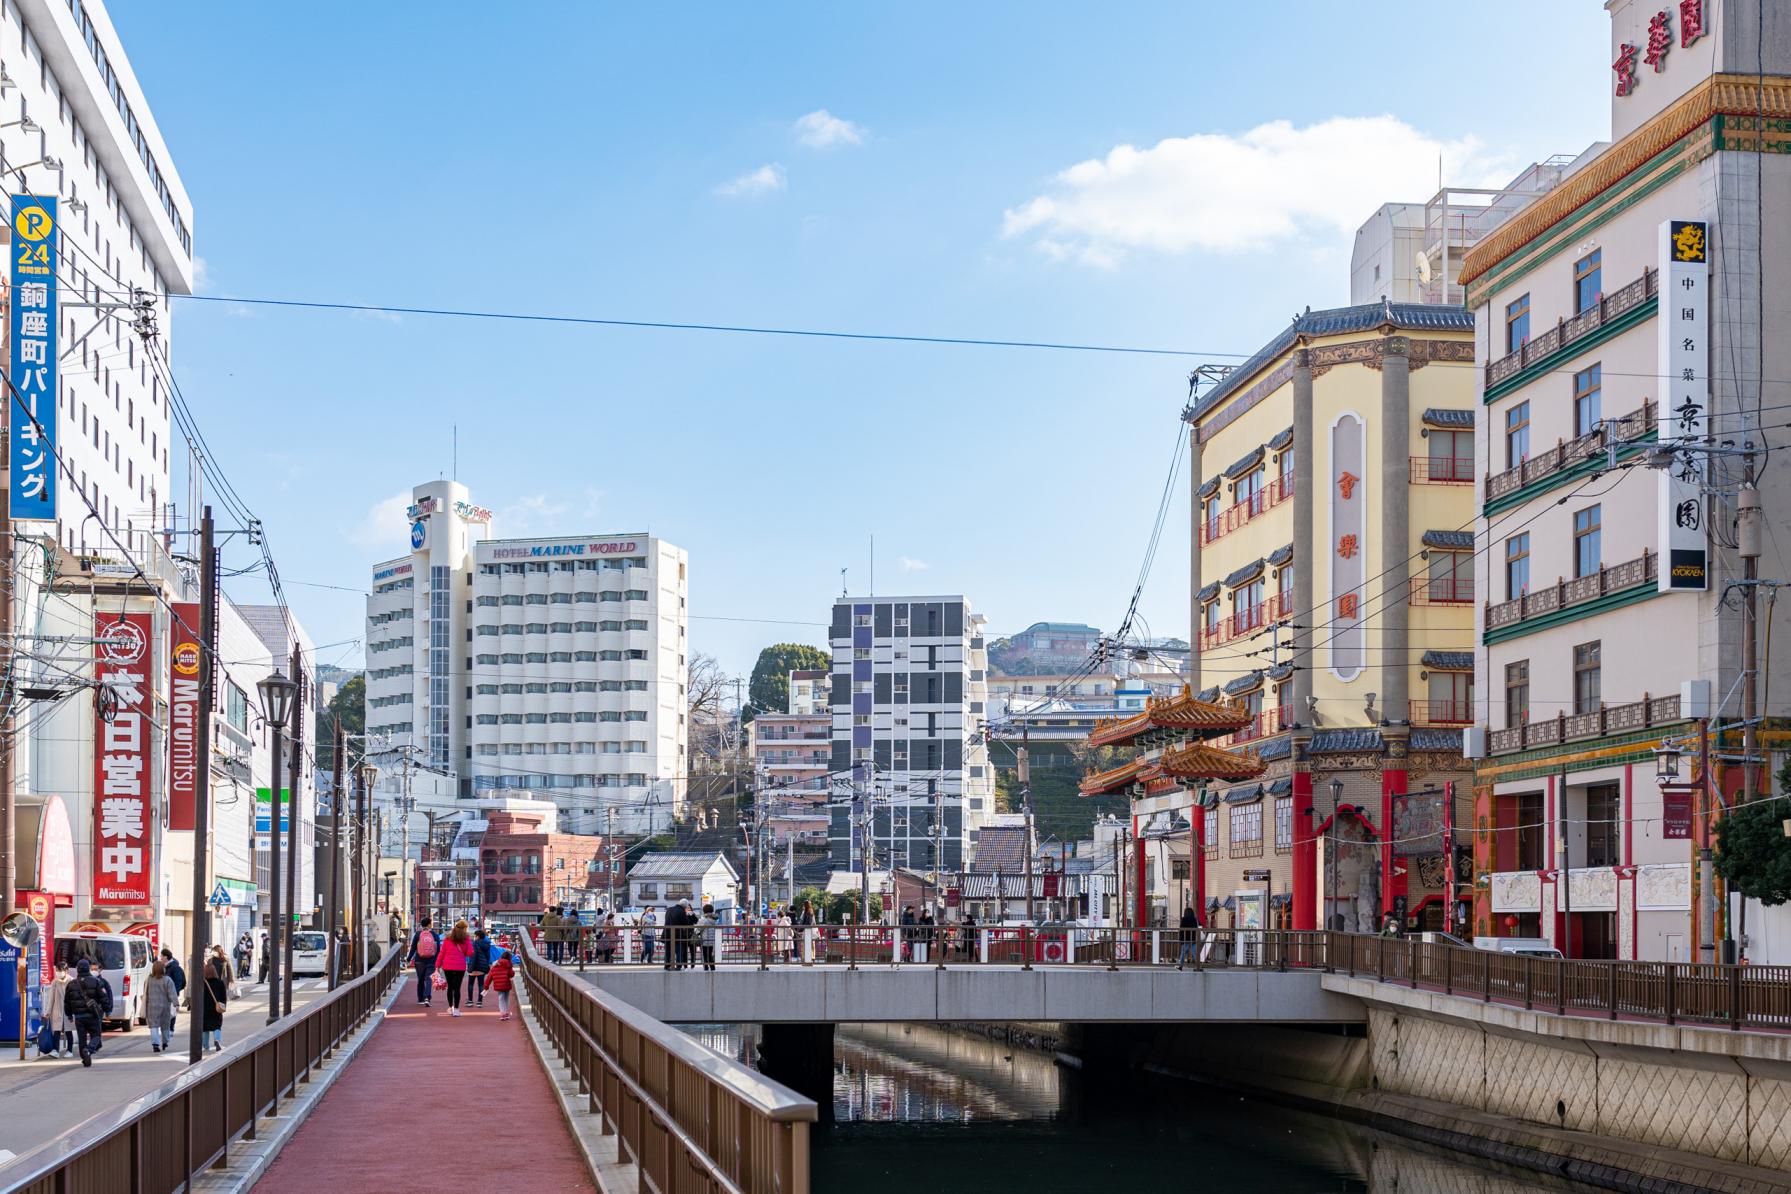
[(277, 693), (1331, 913), (363, 864)]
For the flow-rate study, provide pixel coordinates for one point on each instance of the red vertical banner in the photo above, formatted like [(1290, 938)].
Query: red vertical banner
[(184, 655), (123, 869)]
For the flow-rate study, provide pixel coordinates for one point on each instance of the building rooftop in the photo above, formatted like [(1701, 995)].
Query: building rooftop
[(673, 865)]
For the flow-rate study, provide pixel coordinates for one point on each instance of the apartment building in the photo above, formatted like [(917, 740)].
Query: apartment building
[(1333, 606), (909, 754), (1620, 313), (552, 666)]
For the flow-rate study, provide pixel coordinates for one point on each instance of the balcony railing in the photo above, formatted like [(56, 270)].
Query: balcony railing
[(1567, 331), (1574, 727), (1265, 724), (1568, 453), (1565, 594), (817, 736), (1239, 513), (1442, 713), (1443, 590), (1275, 609), (1442, 470)]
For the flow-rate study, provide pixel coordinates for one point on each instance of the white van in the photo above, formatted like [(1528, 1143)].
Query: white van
[(310, 953), (1535, 947), (119, 958)]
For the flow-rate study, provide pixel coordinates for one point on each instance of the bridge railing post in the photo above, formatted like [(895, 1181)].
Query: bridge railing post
[(1156, 947), (764, 947), (1026, 947), (851, 933), (982, 946)]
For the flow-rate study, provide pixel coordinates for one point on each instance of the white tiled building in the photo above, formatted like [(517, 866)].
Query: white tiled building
[(555, 666)]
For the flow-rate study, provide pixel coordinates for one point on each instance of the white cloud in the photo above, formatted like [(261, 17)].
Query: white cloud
[(821, 129), (1218, 193), (767, 178), (531, 514), (912, 565), (384, 527), (201, 274)]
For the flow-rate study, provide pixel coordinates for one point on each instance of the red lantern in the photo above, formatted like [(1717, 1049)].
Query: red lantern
[(1511, 924)]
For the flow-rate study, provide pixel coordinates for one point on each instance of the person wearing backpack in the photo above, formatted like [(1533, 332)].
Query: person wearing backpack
[(87, 1002), (424, 945)]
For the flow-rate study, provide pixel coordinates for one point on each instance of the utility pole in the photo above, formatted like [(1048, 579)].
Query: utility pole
[(1748, 543), (298, 762), (208, 633), (363, 887), (1706, 864), (9, 873), (276, 810), (609, 850), (1026, 807), (335, 902)]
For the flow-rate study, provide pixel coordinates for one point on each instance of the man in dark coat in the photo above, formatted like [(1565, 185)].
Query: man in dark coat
[(87, 1002)]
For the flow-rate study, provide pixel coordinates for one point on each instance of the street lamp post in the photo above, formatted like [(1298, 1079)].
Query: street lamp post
[(277, 693), (363, 869), (1331, 857)]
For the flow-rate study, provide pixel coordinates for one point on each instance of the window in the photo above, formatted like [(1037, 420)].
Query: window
[(1517, 566), (1517, 693), (1451, 697), (1284, 825), (1246, 605), (1588, 280), (1451, 576), (1587, 387), (1586, 558), (236, 707), (1451, 455), (1209, 828), (1210, 617), (1246, 830), (1517, 435), (1587, 684), (1604, 803), (1250, 486), (1285, 462), (1532, 831), (1210, 514), (1517, 323)]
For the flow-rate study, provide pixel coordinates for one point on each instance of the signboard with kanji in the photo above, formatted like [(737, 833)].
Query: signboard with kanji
[(1348, 555), (32, 360), (123, 870), (1684, 353), (1676, 814)]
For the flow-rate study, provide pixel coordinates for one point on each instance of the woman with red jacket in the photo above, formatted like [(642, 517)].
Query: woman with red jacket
[(502, 980), (452, 960)]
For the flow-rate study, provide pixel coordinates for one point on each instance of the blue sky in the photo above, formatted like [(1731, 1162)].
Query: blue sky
[(961, 172)]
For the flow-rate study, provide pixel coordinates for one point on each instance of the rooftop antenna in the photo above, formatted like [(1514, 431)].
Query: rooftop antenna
[(843, 589)]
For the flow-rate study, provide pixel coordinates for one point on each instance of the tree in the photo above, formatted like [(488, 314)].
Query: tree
[(349, 706), (703, 700), (769, 691), (1753, 853)]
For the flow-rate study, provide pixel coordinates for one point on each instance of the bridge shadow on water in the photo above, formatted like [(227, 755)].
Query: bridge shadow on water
[(919, 1106)]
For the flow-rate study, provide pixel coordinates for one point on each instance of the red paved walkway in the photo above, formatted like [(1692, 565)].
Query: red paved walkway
[(433, 1102)]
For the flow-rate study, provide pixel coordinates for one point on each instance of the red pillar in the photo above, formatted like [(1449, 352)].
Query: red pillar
[(1142, 901), (1197, 863), (1393, 783), (1305, 856)]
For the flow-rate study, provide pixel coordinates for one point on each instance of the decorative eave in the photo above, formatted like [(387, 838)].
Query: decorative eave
[(1726, 94), (1099, 783), (1197, 760), (1171, 718)]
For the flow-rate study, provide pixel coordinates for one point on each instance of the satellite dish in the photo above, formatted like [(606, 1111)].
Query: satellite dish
[(1423, 261), (19, 930)]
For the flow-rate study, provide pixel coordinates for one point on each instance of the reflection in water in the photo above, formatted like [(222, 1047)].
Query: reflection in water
[(990, 1117)]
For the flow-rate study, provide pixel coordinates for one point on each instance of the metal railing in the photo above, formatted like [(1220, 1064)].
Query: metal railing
[(687, 1117), (1567, 331), (1238, 513), (1442, 590), (1442, 470), (1644, 714), (1564, 594), (159, 1143), (1756, 998), (1442, 712), (1567, 453)]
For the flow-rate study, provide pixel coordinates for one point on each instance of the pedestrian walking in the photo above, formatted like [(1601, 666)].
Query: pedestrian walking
[(550, 934), (907, 934), (709, 927), (925, 934), (608, 940), (171, 965), (245, 946), (784, 937), (455, 955), (1190, 930), (160, 997), (424, 945), (968, 932), (216, 994), (649, 935), (502, 980), (87, 1001), (805, 923), (62, 1026), (478, 968), (673, 918)]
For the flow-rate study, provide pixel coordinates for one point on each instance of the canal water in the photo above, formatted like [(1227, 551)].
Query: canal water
[(923, 1107)]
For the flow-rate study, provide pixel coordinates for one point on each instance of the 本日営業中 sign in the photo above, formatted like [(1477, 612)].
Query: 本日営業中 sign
[(122, 870), (1683, 323), (184, 661), (32, 359)]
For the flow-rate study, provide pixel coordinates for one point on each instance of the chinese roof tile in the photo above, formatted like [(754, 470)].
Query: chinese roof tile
[(1177, 714), (1276, 748), (1455, 420), (1435, 739), (1449, 661), (1244, 683), (1335, 322), (1209, 695), (1280, 671), (1281, 787), (1243, 574), (1451, 540), (1099, 783), (1197, 760), (1281, 556), (1208, 487), (1334, 741), (1285, 440), (1206, 594), (1243, 794), (1247, 462)]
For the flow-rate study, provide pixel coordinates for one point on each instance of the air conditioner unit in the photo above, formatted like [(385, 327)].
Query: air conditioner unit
[(1694, 699), (1473, 742)]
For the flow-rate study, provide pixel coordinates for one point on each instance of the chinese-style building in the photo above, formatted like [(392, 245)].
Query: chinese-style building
[(1333, 610)]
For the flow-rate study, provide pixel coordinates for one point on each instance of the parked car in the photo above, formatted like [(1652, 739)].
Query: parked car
[(1534, 947), (310, 953), (119, 958)]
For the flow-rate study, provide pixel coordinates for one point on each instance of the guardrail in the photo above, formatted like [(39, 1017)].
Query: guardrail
[(1757, 998), (158, 1143), (687, 1117)]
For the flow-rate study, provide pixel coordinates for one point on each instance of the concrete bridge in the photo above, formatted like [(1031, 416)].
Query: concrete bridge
[(832, 994)]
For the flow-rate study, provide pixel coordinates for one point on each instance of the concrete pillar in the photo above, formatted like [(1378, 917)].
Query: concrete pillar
[(1394, 495), (1303, 557), (1194, 482), (801, 1057)]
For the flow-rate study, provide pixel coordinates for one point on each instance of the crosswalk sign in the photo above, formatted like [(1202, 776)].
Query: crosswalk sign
[(220, 895)]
